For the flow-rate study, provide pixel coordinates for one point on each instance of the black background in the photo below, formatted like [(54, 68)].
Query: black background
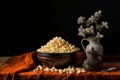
[(28, 25)]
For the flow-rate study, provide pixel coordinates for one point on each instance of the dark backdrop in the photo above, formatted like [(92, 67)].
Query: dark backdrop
[(28, 25)]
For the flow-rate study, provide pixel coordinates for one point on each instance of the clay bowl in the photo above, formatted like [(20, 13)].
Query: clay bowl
[(58, 60)]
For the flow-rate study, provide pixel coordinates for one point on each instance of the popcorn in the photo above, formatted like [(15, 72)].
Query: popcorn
[(58, 45), (68, 70)]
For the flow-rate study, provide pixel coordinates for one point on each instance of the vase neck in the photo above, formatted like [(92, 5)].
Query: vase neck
[(96, 40)]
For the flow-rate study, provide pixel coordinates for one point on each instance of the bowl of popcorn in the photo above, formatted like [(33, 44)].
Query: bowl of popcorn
[(57, 53)]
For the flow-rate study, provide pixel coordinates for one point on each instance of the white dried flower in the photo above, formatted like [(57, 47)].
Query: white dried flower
[(90, 30), (98, 14), (80, 19), (93, 28), (105, 24), (91, 19), (99, 35), (100, 11), (80, 28), (82, 32)]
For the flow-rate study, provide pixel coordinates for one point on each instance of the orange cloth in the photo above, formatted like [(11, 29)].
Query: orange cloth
[(21, 68), (17, 64)]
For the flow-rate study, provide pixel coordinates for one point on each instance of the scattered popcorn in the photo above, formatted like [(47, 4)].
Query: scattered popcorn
[(46, 69), (60, 71), (36, 70), (78, 71), (68, 70), (83, 70), (58, 45), (40, 67)]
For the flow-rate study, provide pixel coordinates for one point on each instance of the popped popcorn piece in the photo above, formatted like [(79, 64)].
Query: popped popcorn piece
[(40, 67), (46, 69)]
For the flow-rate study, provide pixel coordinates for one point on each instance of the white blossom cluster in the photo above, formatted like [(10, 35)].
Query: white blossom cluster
[(68, 70), (91, 27), (58, 45)]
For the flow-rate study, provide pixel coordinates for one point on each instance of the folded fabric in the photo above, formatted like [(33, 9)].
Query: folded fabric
[(17, 64), (20, 67), (23, 63)]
